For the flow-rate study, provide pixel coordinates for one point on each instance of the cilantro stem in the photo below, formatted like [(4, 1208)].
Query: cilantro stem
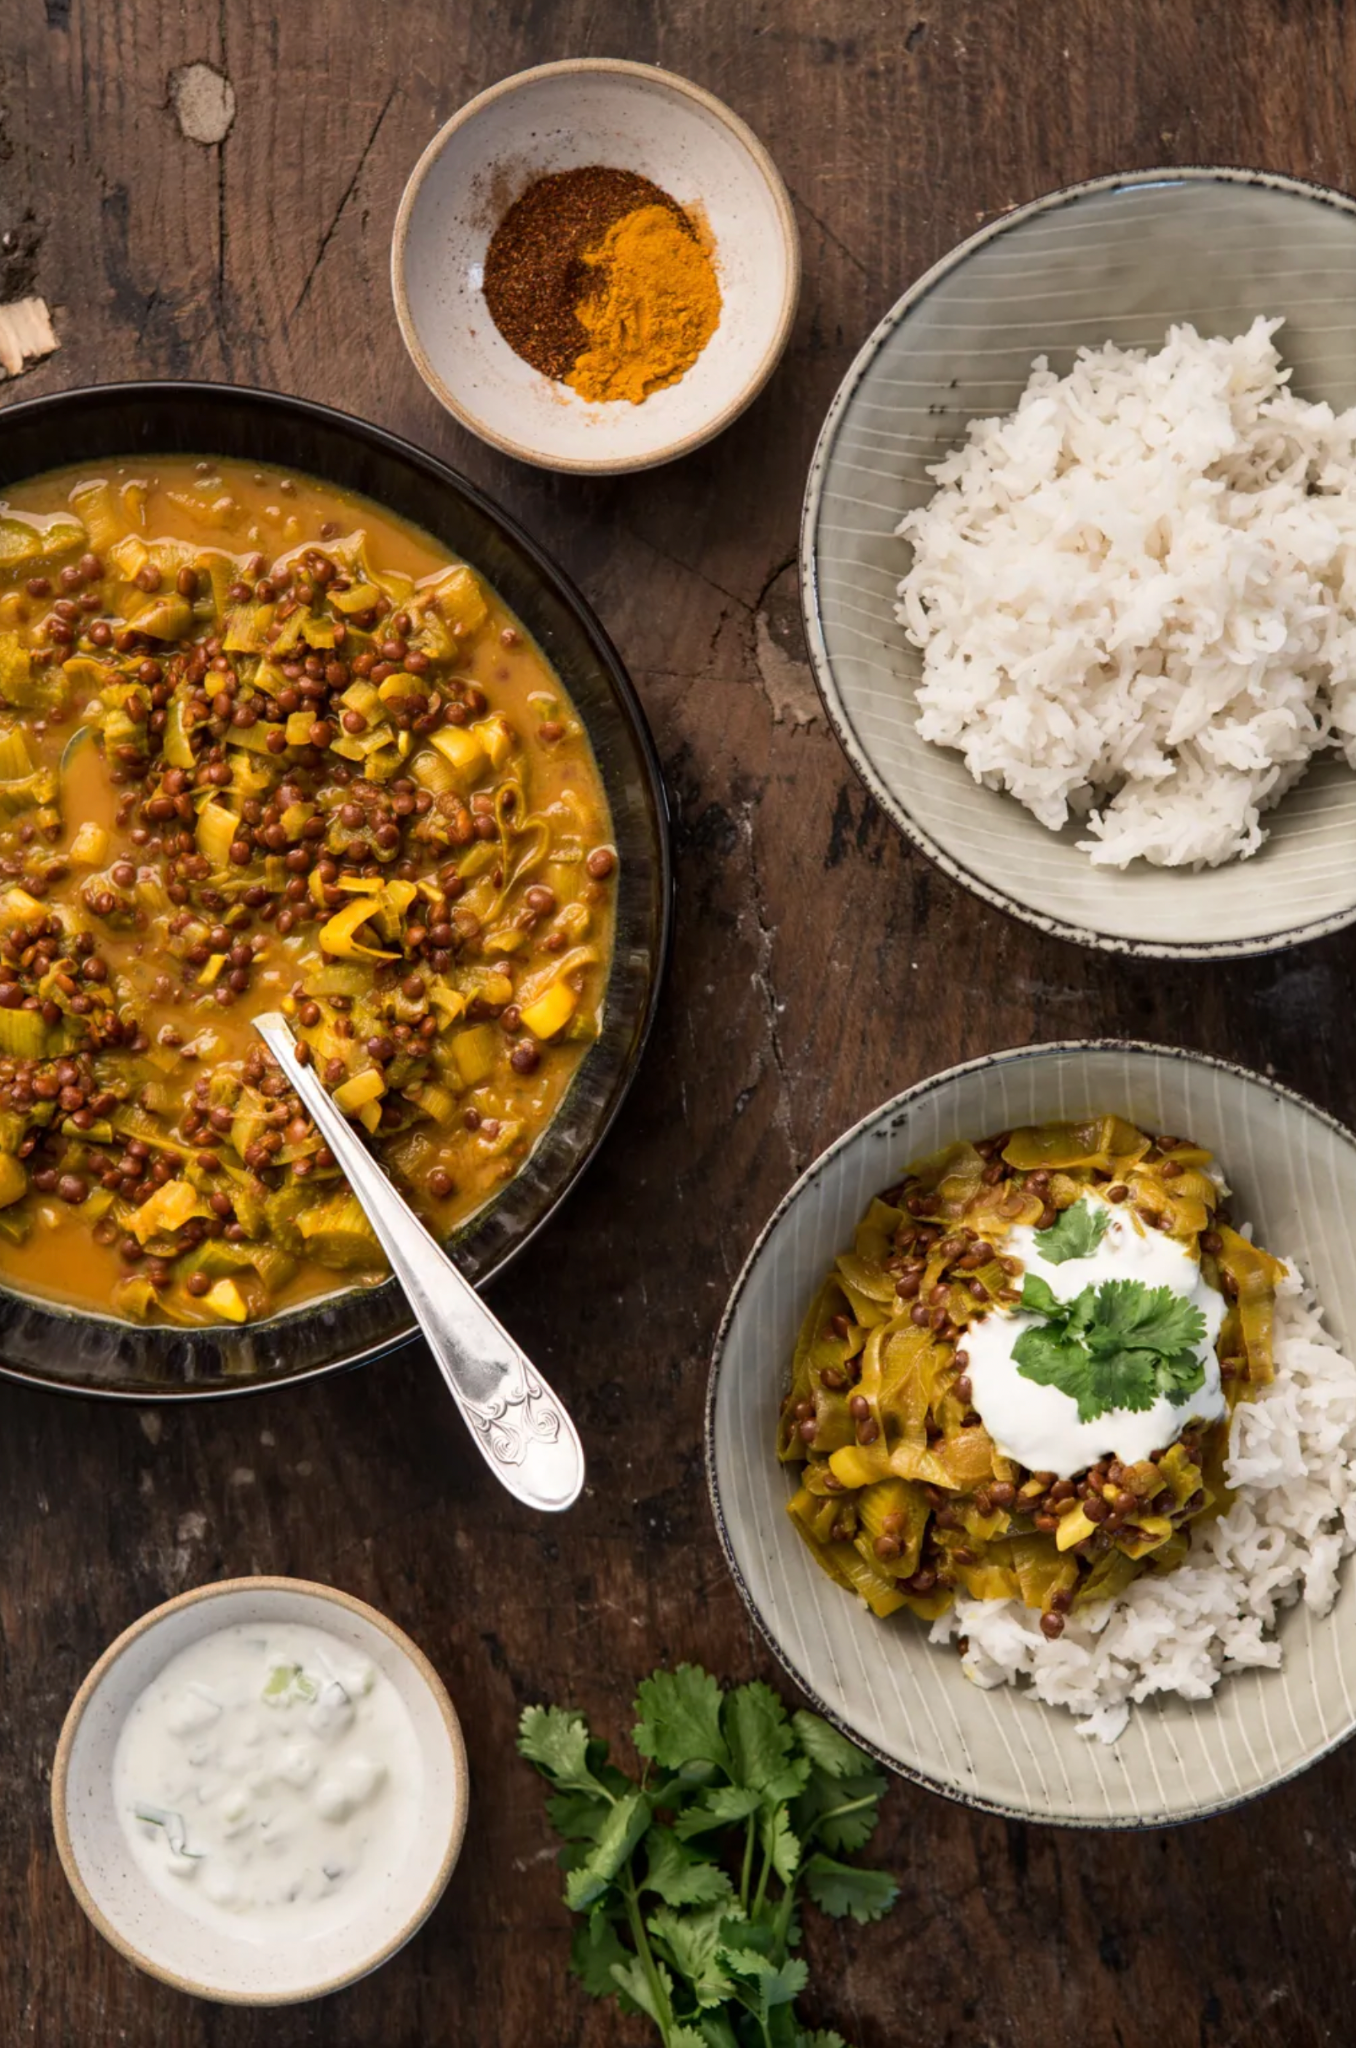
[(627, 1887), (761, 1893), (783, 1920), (747, 1873), (849, 1806)]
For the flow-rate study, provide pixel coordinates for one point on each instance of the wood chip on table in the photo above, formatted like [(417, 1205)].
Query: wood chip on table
[(26, 333)]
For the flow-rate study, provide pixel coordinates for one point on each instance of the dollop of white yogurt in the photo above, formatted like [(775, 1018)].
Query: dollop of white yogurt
[(1039, 1426), (269, 1778)]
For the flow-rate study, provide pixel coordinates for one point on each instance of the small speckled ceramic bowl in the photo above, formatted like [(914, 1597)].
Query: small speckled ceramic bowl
[(1293, 1174), (556, 118), (145, 1926), (1119, 259)]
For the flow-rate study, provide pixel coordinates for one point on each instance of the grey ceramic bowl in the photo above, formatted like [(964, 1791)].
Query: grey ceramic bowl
[(83, 1353), (1293, 1172), (1119, 260)]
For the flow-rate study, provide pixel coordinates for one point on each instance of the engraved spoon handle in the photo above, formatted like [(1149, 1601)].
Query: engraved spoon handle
[(522, 1429)]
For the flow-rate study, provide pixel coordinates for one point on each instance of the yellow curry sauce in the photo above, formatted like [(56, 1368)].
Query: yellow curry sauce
[(264, 745), (905, 1497)]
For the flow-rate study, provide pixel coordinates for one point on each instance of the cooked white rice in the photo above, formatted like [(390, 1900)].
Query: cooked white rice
[(1292, 1459), (1134, 596)]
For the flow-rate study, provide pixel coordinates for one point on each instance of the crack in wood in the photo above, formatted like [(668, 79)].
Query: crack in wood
[(765, 938), (830, 236), (688, 568), (347, 194)]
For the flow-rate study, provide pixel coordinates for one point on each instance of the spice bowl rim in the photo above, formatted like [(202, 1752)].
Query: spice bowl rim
[(622, 69), (232, 1591)]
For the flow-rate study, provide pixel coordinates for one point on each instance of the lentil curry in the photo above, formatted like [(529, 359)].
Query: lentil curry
[(905, 1497), (264, 745)]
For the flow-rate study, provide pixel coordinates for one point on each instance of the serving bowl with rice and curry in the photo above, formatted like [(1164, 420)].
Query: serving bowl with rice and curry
[(1029, 1440), (1017, 1386)]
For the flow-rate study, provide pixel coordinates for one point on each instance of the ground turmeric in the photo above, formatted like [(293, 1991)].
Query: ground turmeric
[(656, 306)]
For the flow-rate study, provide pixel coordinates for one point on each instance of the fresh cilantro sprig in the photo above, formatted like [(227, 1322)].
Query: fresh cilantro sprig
[(1119, 1345), (691, 1876), (1075, 1234)]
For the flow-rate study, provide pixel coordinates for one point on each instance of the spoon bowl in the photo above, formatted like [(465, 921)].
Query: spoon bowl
[(521, 1429)]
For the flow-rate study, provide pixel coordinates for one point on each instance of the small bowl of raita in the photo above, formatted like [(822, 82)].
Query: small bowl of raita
[(260, 1791)]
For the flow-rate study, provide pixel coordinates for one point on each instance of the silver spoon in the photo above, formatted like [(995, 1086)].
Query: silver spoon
[(522, 1429)]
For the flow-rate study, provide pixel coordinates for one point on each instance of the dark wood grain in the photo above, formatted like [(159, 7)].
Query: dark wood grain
[(820, 965)]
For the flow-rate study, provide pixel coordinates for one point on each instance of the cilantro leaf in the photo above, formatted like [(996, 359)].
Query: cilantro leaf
[(719, 1806), (1066, 1318), (827, 1750), (1147, 1333), (822, 2037), (1097, 1381), (840, 1812), (678, 1719), (841, 1888), (1180, 1376), (716, 2030), (1079, 1312), (784, 1984), (1118, 1379), (780, 1843), (1116, 1347), (693, 1942), (1075, 1233), (680, 1875), (595, 1948), (557, 1742), (1132, 1317), (635, 1982), (577, 1816), (577, 1853), (1050, 1359), (760, 1984), (758, 1735), (789, 1782), (738, 1932), (1039, 1298), (626, 1822)]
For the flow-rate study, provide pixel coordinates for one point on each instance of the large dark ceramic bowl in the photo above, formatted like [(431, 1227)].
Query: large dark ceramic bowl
[(86, 1353)]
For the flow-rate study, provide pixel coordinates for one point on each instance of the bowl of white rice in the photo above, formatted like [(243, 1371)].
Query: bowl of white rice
[(1196, 1689), (1079, 562)]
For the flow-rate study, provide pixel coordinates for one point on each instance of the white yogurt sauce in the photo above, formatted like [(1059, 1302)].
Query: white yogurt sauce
[(269, 1779), (1039, 1426)]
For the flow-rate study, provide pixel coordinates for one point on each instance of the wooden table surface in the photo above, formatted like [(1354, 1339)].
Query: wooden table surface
[(820, 965)]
